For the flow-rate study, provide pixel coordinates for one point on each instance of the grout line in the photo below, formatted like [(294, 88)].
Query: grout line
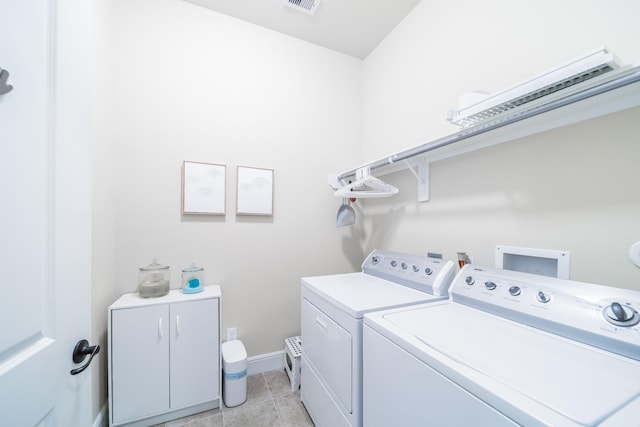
[(273, 401), (280, 422)]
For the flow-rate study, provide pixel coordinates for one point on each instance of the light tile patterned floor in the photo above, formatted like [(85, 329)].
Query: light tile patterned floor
[(270, 403)]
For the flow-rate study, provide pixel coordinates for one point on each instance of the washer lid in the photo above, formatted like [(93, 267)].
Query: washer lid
[(359, 293), (578, 382)]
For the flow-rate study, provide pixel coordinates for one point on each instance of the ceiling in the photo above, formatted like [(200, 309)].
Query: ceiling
[(353, 27)]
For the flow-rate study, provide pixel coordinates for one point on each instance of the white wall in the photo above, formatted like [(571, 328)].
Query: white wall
[(571, 189), (190, 84)]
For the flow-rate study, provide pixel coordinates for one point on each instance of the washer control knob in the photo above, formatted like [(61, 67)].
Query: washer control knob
[(428, 271), (394, 263), (469, 280), (416, 268), (490, 285), (404, 265), (621, 315), (543, 297), (375, 259), (515, 290)]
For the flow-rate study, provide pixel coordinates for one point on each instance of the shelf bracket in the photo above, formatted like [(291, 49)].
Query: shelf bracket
[(423, 179)]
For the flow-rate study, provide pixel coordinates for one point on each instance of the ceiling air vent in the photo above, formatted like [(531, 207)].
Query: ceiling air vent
[(307, 6), (474, 108)]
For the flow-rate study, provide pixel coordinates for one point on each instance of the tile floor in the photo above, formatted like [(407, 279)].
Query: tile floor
[(270, 403)]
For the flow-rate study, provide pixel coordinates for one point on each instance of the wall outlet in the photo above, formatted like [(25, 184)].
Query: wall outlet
[(232, 334)]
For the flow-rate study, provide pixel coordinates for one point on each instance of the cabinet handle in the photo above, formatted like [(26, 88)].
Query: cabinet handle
[(178, 324), (160, 327)]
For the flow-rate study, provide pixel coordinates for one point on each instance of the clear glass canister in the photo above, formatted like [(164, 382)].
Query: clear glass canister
[(153, 280), (192, 277)]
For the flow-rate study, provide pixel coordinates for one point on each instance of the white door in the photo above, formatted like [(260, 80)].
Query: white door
[(45, 180)]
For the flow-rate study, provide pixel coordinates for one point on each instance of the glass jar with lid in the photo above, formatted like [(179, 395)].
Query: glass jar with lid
[(192, 279), (153, 280)]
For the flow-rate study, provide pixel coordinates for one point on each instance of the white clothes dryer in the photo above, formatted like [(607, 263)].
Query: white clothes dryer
[(333, 307), (506, 349)]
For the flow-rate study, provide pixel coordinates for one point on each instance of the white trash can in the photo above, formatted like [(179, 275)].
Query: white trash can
[(234, 370)]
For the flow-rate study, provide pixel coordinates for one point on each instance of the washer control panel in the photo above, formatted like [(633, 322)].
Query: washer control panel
[(427, 274), (602, 316)]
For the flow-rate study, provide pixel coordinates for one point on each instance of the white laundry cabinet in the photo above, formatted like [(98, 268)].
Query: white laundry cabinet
[(164, 356)]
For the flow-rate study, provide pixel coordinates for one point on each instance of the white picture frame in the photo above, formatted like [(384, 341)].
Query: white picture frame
[(203, 188), (254, 192)]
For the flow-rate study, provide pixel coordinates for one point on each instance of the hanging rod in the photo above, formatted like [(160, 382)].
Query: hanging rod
[(628, 77)]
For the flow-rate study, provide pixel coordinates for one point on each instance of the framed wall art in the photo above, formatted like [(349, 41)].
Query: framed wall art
[(203, 188), (255, 191)]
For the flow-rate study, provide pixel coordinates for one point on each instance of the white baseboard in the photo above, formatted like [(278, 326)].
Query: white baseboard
[(101, 418), (265, 362)]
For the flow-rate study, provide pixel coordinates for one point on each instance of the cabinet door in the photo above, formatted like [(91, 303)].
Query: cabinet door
[(195, 352), (139, 362)]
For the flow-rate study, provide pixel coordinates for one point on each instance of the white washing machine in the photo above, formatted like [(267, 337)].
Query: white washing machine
[(332, 311), (506, 349)]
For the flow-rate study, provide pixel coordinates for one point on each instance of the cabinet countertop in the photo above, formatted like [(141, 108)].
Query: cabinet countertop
[(175, 295)]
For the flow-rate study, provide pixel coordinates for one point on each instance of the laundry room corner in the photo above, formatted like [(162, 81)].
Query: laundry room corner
[(103, 231)]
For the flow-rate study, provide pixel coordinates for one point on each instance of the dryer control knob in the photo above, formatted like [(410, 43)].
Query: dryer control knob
[(469, 280), (404, 265), (416, 268), (394, 263), (428, 271), (543, 297), (515, 290)]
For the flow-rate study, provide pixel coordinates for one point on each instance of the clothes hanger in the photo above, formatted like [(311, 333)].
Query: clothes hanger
[(366, 186)]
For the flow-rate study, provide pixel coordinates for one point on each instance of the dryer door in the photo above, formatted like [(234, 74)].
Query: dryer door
[(328, 347)]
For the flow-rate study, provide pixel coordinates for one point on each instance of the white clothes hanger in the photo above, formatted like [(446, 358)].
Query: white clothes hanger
[(365, 186)]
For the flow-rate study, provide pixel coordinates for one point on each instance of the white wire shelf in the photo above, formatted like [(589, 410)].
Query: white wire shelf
[(597, 97)]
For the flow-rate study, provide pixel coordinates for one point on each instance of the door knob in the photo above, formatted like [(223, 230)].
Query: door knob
[(80, 352)]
